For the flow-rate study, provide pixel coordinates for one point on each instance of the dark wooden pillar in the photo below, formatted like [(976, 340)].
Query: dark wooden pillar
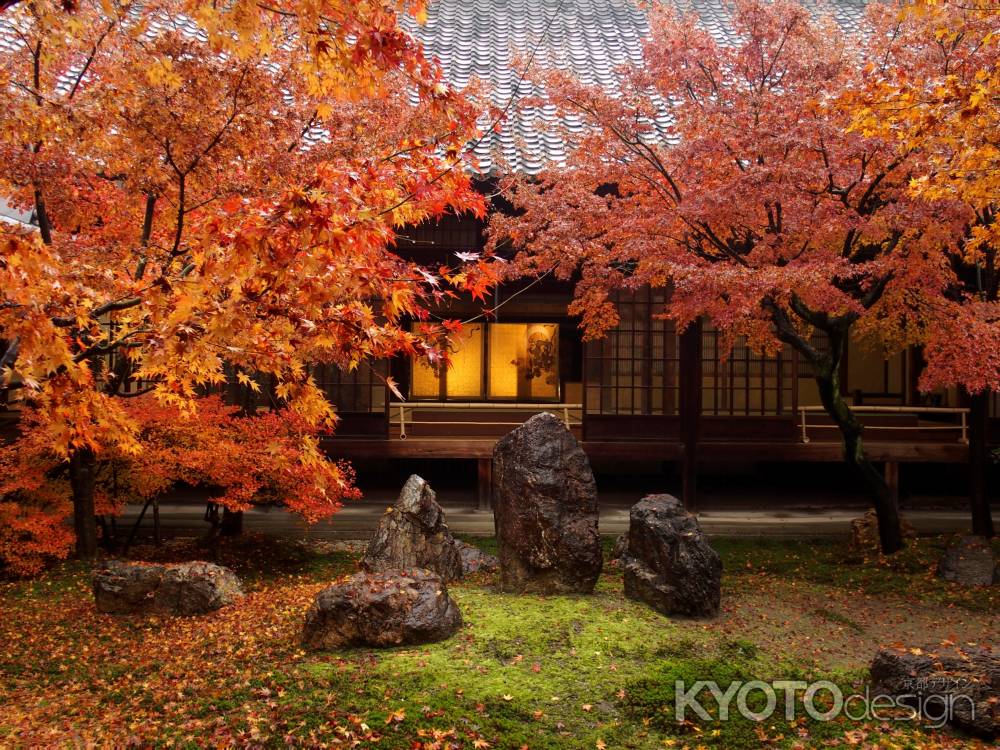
[(485, 498), (892, 479), (979, 501), (690, 410)]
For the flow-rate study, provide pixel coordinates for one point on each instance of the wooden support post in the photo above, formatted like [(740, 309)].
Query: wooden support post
[(485, 469), (979, 501), (892, 480), (690, 410)]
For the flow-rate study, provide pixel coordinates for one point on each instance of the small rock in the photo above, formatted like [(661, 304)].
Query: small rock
[(621, 545), (864, 532), (545, 510), (390, 608), (668, 563), (191, 588), (969, 562), (963, 684), (474, 560)]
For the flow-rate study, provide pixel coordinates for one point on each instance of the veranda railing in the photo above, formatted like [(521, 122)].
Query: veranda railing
[(408, 413), (961, 426)]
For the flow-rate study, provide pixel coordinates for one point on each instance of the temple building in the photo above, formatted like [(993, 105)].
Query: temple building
[(646, 391)]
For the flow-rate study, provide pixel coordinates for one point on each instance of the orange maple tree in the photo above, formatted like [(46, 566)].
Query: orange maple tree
[(240, 459), (768, 213), (213, 185), (934, 93)]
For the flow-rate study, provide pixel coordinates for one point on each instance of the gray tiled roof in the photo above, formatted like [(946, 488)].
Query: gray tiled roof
[(590, 38)]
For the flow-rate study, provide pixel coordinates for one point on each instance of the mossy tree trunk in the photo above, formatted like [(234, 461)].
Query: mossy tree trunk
[(826, 371)]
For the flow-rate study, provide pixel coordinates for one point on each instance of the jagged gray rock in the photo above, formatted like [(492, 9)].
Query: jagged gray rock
[(668, 563), (959, 683), (545, 510), (969, 561), (413, 533), (390, 608), (190, 588)]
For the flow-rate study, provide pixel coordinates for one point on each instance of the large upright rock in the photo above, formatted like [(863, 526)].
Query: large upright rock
[(191, 588), (668, 563), (413, 534), (959, 684), (970, 562), (392, 608), (545, 510)]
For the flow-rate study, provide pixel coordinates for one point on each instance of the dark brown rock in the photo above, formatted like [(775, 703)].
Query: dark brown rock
[(969, 562), (962, 684), (413, 534), (545, 510), (668, 563), (191, 588), (391, 608)]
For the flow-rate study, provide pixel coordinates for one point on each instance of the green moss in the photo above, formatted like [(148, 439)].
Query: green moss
[(830, 562), (550, 672)]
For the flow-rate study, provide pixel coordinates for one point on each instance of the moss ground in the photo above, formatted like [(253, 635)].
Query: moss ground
[(542, 672)]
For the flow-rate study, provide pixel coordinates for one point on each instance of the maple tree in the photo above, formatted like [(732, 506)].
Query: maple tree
[(214, 185), (241, 459), (750, 196), (934, 93)]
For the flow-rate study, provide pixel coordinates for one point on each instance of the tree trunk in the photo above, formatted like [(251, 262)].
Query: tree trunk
[(232, 522), (82, 479), (979, 501), (827, 376), (826, 370)]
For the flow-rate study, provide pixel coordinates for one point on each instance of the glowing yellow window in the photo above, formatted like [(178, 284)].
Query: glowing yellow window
[(524, 361), (463, 379)]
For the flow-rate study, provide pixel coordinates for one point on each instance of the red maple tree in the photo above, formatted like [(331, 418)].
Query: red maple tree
[(767, 213)]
